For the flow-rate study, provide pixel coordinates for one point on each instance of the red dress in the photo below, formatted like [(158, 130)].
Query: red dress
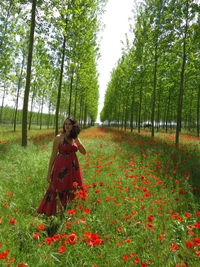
[(66, 171)]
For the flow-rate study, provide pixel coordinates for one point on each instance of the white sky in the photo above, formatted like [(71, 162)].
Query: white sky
[(116, 20)]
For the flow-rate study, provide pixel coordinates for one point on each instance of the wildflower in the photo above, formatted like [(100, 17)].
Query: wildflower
[(12, 221), (198, 253), (4, 255), (125, 257), (137, 260), (68, 224), (61, 249), (196, 240), (72, 238), (56, 237), (189, 244), (86, 211), (198, 213), (40, 227), (174, 247), (72, 211), (48, 240)]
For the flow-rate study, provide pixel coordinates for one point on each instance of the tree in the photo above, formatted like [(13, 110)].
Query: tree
[(28, 75)]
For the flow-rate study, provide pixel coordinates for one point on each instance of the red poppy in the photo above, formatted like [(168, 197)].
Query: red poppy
[(125, 257), (12, 221), (48, 240), (72, 211), (198, 253), (174, 246), (86, 211), (137, 260), (56, 237), (4, 255), (187, 214), (40, 227), (198, 213), (68, 224), (189, 244), (196, 240), (72, 238), (62, 249)]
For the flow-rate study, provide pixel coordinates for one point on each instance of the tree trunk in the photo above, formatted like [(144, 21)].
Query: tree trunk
[(38, 114), (70, 93), (41, 112), (122, 125), (85, 116), (190, 112), (154, 89), (2, 103), (18, 90), (60, 84), (180, 97), (80, 115), (158, 114), (28, 77), (140, 109), (75, 102), (132, 108), (168, 105), (198, 103), (31, 113), (49, 115)]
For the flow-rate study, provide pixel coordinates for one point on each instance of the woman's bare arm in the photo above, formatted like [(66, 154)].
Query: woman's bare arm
[(54, 153), (81, 148)]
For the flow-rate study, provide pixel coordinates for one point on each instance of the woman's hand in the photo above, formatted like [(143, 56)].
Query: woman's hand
[(80, 146)]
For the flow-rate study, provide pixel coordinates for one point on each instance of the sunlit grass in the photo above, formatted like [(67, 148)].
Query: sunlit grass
[(142, 204)]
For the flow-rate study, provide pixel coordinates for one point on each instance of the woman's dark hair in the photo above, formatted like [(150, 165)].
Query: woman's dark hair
[(75, 127)]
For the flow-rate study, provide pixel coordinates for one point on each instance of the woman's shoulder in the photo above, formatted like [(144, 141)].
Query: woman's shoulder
[(59, 138)]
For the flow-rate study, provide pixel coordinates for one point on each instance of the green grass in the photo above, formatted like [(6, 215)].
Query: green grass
[(140, 192)]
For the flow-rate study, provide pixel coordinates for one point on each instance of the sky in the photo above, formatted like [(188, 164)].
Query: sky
[(116, 21)]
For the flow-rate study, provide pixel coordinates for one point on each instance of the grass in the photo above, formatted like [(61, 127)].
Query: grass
[(142, 206)]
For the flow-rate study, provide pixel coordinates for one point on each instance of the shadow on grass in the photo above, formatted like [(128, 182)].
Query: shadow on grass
[(176, 161)]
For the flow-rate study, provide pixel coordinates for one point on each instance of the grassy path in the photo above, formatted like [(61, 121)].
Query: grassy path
[(142, 205)]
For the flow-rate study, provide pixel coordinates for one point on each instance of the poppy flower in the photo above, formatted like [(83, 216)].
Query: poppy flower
[(72, 238), (86, 211), (196, 240), (72, 211), (125, 257), (12, 221), (40, 227), (174, 247), (48, 240), (189, 244), (62, 249)]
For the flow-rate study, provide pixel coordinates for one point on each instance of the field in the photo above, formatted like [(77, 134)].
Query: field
[(142, 204)]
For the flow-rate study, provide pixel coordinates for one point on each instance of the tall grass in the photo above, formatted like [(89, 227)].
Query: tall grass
[(142, 204)]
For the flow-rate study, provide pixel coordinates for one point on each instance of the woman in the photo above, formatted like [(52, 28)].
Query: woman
[(66, 170)]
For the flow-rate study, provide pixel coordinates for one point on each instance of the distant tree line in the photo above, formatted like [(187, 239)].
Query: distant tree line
[(157, 79)]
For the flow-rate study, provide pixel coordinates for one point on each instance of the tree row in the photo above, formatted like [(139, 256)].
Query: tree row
[(156, 81)]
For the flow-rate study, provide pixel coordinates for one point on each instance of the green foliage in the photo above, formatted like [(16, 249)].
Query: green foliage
[(160, 28)]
